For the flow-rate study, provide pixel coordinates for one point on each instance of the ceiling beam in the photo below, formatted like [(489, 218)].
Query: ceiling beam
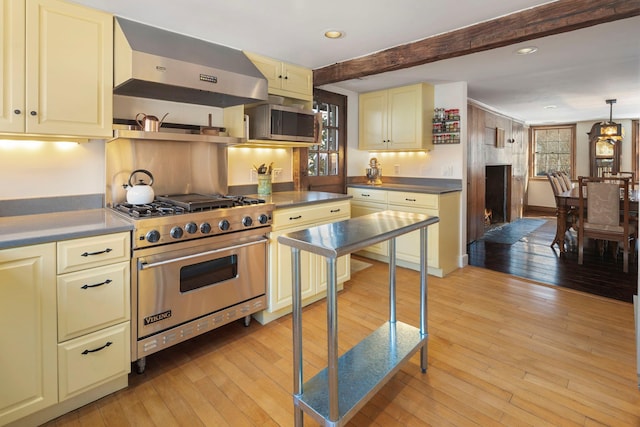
[(552, 18)]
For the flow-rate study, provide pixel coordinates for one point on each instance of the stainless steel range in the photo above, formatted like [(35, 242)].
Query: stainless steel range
[(199, 261)]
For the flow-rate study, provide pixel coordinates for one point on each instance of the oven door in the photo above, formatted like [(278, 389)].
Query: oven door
[(184, 281)]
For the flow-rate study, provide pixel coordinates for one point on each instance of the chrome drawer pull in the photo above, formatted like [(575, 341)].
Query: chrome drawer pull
[(98, 349), (106, 251), (106, 282)]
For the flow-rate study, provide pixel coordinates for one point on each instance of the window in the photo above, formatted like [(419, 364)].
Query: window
[(553, 150), (322, 167), (324, 157)]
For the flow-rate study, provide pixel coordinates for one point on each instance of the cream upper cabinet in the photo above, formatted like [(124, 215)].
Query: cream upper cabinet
[(56, 70), (28, 372), (396, 119), (285, 79)]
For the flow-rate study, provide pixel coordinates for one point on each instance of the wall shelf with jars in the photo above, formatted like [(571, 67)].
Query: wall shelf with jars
[(446, 126)]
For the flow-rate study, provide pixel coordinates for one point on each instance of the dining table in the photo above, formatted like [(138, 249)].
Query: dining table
[(571, 199)]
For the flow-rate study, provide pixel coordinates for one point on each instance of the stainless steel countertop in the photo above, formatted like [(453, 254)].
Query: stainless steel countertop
[(344, 237), (51, 227), (428, 189), (289, 199)]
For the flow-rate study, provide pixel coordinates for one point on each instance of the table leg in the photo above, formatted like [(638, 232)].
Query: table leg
[(424, 324), (332, 339), (297, 334), (561, 225)]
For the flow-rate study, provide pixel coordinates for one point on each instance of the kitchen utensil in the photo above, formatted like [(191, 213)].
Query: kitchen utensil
[(210, 130), (149, 123), (140, 193)]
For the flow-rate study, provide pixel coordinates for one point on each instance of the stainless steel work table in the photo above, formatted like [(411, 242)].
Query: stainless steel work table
[(364, 369)]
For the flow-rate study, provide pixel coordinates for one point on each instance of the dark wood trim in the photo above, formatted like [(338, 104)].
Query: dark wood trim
[(549, 19)]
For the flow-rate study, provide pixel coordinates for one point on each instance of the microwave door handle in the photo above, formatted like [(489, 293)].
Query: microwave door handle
[(142, 265)]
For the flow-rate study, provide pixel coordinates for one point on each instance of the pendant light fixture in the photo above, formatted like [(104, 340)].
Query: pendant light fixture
[(610, 131)]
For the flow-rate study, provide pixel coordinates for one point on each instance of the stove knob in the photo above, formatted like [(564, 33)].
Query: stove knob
[(153, 236), (176, 232), (263, 218), (205, 228), (191, 227), (247, 221), (224, 225)]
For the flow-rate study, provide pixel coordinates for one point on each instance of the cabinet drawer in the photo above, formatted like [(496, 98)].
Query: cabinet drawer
[(315, 214), (88, 252), (92, 299), (93, 359), (370, 195), (422, 200)]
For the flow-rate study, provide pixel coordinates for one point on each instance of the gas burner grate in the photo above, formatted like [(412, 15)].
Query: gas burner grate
[(149, 210)]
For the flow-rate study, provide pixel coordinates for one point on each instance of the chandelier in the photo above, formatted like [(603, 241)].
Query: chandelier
[(610, 131)]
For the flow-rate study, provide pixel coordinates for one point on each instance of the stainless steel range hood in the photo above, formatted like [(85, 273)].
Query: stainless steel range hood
[(153, 63)]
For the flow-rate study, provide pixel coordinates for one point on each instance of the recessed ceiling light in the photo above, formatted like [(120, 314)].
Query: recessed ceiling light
[(334, 34), (549, 107), (526, 50)]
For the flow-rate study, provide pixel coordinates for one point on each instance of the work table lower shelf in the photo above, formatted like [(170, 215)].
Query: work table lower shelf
[(362, 370)]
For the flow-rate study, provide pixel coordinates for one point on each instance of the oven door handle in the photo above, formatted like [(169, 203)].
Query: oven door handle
[(142, 265)]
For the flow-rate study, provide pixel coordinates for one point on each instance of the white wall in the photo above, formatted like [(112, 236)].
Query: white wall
[(241, 161), (31, 169), (539, 192)]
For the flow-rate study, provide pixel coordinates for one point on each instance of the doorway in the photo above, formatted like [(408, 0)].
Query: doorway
[(322, 167)]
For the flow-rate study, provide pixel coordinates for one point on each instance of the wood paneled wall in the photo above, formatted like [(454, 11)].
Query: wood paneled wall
[(482, 128)]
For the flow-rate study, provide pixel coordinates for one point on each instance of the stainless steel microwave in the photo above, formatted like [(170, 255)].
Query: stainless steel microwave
[(281, 123)]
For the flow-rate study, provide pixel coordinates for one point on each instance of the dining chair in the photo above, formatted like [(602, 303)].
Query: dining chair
[(600, 216), (558, 187), (620, 174), (566, 179)]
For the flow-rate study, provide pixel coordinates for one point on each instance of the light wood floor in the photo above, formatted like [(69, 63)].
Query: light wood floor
[(502, 351)]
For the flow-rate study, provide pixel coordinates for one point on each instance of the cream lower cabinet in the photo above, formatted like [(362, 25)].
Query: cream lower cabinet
[(28, 372), (56, 69), (443, 237), (312, 267), (93, 312), (64, 313)]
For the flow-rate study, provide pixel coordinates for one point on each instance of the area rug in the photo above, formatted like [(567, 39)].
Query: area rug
[(357, 265), (512, 232)]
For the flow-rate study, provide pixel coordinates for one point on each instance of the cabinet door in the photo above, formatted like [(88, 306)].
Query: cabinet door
[(343, 267), (28, 372), (373, 120), (94, 359), (359, 209), (408, 245), (69, 77), (280, 291), (298, 81), (92, 299), (12, 32), (270, 68), (404, 120)]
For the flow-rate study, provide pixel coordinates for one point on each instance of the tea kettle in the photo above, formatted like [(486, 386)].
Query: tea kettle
[(149, 123), (140, 193)]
